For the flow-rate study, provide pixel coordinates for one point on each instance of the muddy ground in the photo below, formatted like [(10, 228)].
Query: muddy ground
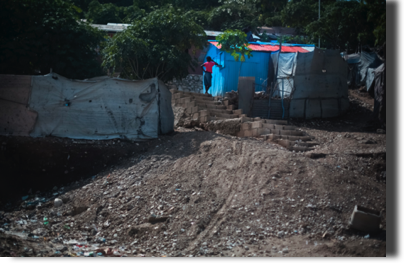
[(196, 193)]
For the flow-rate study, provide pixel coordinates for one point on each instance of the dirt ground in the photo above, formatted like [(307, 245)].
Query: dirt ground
[(196, 193)]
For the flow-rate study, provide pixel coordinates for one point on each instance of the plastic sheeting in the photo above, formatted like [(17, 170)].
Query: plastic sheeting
[(100, 108), (367, 60), (320, 85), (285, 63), (370, 79), (358, 67), (15, 118)]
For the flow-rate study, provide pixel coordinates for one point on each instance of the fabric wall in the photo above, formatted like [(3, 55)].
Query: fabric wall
[(359, 65), (165, 109), (99, 108), (320, 85), (225, 79), (15, 118), (285, 63)]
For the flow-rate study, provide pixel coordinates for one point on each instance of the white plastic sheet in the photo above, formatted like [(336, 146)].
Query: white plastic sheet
[(286, 67), (99, 108)]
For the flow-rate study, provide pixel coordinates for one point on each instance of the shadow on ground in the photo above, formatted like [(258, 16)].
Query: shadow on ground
[(39, 164)]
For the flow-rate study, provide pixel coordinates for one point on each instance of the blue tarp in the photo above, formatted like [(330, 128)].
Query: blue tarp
[(225, 79)]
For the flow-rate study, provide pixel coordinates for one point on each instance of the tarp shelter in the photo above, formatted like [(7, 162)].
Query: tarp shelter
[(96, 109), (361, 65), (315, 83), (320, 85), (225, 79), (378, 88)]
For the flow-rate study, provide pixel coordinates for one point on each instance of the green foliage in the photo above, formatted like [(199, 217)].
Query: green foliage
[(297, 40), (39, 35), (234, 14), (103, 13), (267, 11), (264, 37), (338, 26), (342, 23), (132, 13), (235, 43), (155, 46), (377, 16)]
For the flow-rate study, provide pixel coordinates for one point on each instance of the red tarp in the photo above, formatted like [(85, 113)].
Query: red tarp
[(270, 48)]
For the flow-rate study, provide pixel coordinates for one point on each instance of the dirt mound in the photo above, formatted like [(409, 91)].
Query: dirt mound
[(201, 193)]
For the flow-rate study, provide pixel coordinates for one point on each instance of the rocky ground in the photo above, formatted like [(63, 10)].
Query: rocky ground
[(196, 193)]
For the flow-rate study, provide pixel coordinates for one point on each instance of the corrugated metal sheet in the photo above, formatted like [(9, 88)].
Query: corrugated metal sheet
[(114, 27)]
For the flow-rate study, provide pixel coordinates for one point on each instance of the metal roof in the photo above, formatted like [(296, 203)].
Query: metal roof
[(113, 27), (271, 47)]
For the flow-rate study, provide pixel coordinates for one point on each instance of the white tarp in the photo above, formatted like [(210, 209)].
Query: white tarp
[(99, 108), (285, 73), (15, 118)]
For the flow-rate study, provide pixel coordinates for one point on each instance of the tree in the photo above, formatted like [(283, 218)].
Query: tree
[(377, 16), (268, 9), (103, 13), (235, 43), (338, 26), (39, 35), (342, 23), (234, 14), (155, 46)]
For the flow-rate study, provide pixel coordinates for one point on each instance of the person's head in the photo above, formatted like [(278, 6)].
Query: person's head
[(209, 59)]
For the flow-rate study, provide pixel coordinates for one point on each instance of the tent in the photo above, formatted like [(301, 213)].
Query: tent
[(361, 65), (314, 82), (320, 85), (96, 109), (225, 79), (378, 89)]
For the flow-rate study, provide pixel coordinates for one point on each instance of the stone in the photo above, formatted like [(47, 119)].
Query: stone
[(76, 210), (365, 219), (140, 229), (57, 202)]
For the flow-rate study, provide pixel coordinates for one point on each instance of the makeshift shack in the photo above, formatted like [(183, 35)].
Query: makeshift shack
[(306, 85), (361, 65), (95, 109), (225, 79), (320, 85)]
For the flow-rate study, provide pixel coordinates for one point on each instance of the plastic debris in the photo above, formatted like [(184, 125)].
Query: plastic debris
[(45, 221), (25, 197)]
